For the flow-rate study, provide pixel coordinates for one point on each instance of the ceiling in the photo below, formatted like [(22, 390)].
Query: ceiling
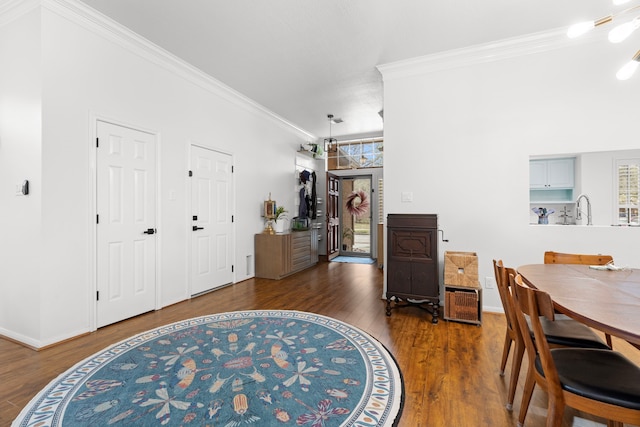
[(304, 59)]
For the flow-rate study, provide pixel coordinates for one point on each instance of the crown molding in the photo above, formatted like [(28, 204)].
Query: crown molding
[(97, 23), (482, 53)]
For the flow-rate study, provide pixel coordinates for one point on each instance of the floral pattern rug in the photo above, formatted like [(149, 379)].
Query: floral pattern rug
[(262, 368)]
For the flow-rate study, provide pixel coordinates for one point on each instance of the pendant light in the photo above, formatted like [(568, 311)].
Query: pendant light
[(330, 144)]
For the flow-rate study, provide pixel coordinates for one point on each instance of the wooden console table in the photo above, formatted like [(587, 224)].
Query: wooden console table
[(279, 255)]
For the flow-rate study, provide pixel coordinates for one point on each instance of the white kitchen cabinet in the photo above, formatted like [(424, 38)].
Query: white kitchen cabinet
[(551, 180), (551, 173)]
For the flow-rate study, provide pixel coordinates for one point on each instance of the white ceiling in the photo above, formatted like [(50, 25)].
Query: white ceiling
[(304, 59)]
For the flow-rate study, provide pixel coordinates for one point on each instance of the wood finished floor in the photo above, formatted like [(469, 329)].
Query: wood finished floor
[(450, 369)]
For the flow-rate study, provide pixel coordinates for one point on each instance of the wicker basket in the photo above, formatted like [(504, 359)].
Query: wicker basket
[(461, 305), (461, 268)]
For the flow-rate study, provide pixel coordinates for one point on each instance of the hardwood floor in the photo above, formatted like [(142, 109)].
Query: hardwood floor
[(450, 369)]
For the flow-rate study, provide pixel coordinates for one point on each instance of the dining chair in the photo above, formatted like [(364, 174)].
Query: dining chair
[(512, 335), (566, 332), (603, 383), (551, 257)]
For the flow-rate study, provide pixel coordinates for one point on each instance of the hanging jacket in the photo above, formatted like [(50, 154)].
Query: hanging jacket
[(314, 201), (303, 210)]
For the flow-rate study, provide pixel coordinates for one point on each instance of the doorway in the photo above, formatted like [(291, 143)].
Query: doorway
[(126, 197), (355, 216)]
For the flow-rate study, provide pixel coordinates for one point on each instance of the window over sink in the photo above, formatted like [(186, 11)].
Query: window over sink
[(628, 189)]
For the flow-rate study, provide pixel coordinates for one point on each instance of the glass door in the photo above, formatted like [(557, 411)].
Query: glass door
[(355, 216)]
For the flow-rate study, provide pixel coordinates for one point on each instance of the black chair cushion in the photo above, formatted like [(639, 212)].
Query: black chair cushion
[(603, 375), (567, 332)]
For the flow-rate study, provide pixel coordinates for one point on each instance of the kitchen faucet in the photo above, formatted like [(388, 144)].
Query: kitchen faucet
[(579, 212)]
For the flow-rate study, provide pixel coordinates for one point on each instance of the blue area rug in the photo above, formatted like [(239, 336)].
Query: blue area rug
[(353, 259), (261, 368)]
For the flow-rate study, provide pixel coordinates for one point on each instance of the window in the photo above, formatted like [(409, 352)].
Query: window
[(628, 190), (366, 153)]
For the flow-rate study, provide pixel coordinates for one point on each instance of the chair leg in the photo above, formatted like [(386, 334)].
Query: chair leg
[(527, 392), (555, 411), (505, 352), (608, 338), (515, 373)]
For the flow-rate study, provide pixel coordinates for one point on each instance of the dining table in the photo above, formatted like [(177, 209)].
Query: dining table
[(604, 299)]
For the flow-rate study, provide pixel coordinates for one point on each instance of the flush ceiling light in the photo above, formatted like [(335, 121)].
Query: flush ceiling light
[(616, 35)]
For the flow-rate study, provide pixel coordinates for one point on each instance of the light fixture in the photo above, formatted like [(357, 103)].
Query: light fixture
[(616, 35), (331, 144), (621, 32), (576, 30), (629, 68)]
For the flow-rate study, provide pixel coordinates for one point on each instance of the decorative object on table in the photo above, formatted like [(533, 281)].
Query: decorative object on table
[(279, 219), (299, 224), (543, 214), (357, 203), (269, 214), (230, 369)]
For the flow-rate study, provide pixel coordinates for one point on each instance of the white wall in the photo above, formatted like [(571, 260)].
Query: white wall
[(459, 136), (93, 70), (20, 146)]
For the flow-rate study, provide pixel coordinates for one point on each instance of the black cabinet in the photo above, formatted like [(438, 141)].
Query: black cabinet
[(412, 262)]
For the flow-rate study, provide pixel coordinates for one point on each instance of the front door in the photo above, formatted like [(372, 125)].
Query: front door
[(211, 209), (355, 220), (333, 216), (126, 223)]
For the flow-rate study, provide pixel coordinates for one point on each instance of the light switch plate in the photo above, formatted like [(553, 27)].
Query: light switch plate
[(489, 282), (407, 196)]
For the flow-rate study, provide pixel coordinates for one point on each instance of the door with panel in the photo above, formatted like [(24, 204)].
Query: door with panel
[(126, 223), (333, 216), (212, 226)]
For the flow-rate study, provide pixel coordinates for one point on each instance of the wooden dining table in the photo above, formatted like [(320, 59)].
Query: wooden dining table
[(602, 299)]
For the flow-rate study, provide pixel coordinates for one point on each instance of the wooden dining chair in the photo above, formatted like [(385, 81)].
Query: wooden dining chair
[(567, 333), (512, 334), (603, 383), (551, 257)]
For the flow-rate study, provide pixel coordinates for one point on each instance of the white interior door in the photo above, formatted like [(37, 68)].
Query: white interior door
[(211, 207), (126, 223)]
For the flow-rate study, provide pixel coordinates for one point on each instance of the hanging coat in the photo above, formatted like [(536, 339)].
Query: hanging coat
[(303, 210), (314, 201)]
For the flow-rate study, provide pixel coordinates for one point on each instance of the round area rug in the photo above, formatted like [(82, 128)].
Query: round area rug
[(232, 369)]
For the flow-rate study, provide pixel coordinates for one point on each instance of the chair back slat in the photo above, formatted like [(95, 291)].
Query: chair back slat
[(502, 281), (545, 305), (520, 312), (551, 257)]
